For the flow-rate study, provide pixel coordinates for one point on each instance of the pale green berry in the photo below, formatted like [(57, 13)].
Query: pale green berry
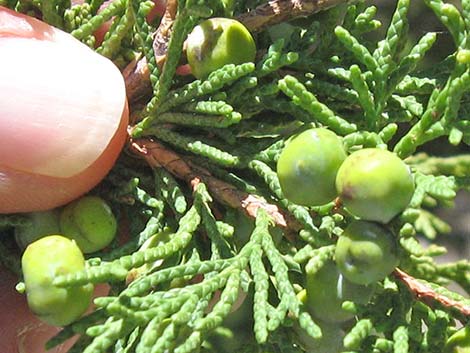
[(42, 262), (327, 289), (374, 184), (308, 165), (366, 252), (39, 225), (158, 239), (90, 222), (331, 340), (217, 42)]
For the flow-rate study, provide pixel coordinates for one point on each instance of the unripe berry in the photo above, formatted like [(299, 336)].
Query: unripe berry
[(43, 261), (217, 42), (327, 289), (308, 165), (90, 222), (40, 224), (366, 252), (331, 340), (374, 184)]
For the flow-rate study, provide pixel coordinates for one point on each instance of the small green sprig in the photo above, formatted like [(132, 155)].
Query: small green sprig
[(358, 334), (319, 112), (120, 28), (86, 29), (214, 82)]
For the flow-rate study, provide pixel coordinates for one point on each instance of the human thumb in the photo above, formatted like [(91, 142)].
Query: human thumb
[(63, 115)]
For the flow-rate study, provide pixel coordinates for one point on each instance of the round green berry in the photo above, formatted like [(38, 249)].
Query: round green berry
[(366, 252), (308, 165), (43, 261), (331, 340), (39, 225), (90, 222), (374, 184), (217, 42), (327, 289)]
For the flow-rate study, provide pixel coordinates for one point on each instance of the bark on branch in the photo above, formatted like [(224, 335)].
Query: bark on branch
[(158, 155), (278, 11), (428, 295)]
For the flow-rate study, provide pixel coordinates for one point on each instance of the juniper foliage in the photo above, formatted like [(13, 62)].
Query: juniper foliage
[(181, 294)]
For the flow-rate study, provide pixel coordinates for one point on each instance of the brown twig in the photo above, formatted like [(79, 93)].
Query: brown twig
[(158, 155), (277, 11), (265, 15), (428, 295), (137, 74)]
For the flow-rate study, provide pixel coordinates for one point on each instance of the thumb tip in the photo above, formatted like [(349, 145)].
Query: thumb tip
[(49, 159), (27, 192)]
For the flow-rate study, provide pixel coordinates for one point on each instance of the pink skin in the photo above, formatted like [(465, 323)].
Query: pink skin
[(63, 116), (63, 123)]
